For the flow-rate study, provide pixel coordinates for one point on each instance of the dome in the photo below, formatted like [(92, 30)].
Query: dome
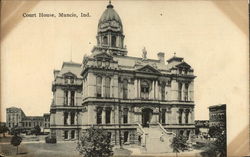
[(110, 20)]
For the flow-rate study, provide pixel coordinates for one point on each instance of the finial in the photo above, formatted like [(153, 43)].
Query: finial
[(110, 5)]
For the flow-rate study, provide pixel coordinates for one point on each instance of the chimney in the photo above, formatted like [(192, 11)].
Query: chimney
[(161, 57)]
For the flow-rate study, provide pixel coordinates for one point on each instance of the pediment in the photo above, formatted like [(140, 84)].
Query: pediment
[(103, 55), (183, 65), (148, 69), (69, 74)]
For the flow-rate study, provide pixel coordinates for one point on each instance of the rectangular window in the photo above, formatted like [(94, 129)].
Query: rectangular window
[(125, 115), (108, 115), (72, 98), (72, 134), (163, 92), (65, 98), (65, 118), (163, 116), (99, 115), (65, 134), (125, 137), (179, 91), (72, 118), (98, 86)]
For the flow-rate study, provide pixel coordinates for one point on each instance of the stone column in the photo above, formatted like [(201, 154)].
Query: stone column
[(103, 116), (153, 90), (136, 88), (156, 90), (103, 86), (139, 88)]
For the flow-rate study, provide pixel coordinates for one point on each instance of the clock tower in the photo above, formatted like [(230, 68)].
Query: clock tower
[(110, 36)]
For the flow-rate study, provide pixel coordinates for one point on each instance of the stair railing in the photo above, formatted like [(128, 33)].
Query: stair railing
[(164, 130), (144, 134)]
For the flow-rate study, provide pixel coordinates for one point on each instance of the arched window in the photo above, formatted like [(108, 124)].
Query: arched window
[(105, 40), (163, 91), (180, 116), (125, 89), (186, 92), (98, 86), (113, 41), (144, 90), (107, 86)]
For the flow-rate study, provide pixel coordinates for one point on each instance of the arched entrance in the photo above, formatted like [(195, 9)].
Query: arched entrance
[(146, 116)]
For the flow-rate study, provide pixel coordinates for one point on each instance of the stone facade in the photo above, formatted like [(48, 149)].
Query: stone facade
[(120, 92)]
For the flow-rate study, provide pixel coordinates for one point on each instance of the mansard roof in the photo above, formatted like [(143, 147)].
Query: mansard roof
[(70, 67)]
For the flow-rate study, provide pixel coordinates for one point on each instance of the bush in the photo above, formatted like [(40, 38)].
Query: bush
[(49, 139), (95, 142)]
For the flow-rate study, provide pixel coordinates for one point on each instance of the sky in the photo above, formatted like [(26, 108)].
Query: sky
[(199, 31)]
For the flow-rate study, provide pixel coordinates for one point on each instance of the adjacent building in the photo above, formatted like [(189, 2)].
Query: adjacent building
[(134, 96), (15, 117), (217, 115)]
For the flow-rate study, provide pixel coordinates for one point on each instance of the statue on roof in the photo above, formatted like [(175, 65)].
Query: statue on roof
[(144, 53)]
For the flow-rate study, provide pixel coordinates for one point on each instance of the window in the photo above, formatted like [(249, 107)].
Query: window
[(65, 98), (163, 116), (98, 86), (181, 132), (72, 134), (125, 115), (186, 92), (99, 115), (163, 92), (107, 87), (108, 115), (144, 90), (72, 98), (72, 118), (186, 116), (113, 40), (125, 136), (179, 91), (125, 89), (65, 134), (180, 116), (65, 118), (105, 40)]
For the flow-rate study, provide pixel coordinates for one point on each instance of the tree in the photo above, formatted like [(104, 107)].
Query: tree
[(95, 142), (179, 143), (16, 141), (3, 130), (214, 131)]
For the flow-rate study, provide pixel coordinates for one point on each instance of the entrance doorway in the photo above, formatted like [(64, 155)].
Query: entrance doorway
[(146, 116)]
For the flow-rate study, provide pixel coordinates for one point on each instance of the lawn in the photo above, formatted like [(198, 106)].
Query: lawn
[(44, 150)]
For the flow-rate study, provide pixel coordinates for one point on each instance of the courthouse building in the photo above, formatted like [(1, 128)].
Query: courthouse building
[(110, 89)]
